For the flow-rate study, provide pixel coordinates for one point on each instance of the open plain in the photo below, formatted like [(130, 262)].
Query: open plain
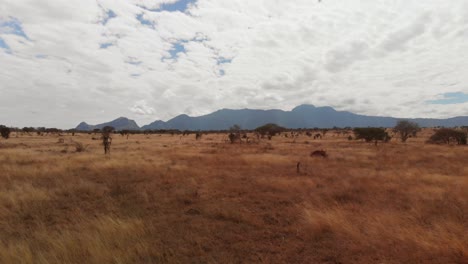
[(165, 198)]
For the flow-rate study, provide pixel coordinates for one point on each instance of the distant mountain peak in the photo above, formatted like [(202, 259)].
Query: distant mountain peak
[(303, 107), (121, 123)]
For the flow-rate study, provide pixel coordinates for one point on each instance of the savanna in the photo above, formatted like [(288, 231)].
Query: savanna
[(165, 198)]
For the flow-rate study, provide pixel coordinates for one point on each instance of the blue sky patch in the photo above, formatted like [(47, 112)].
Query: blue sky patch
[(181, 6), (105, 45), (177, 48), (3, 45), (144, 21), (222, 60), (109, 15), (451, 98), (12, 26)]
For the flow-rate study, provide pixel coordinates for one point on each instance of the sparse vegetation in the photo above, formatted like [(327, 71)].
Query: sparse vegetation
[(80, 147), (169, 200)]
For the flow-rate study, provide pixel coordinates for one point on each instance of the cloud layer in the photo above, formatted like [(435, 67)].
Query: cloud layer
[(62, 63)]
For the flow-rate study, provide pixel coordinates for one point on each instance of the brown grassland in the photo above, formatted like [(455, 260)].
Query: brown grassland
[(174, 199)]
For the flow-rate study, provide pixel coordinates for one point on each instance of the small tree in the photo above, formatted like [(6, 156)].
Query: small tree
[(370, 134), (5, 132), (406, 129)]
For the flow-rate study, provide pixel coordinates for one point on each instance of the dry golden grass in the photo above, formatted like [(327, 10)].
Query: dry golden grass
[(172, 199)]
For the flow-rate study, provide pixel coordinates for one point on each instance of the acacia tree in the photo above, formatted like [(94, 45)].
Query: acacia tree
[(5, 132), (406, 129)]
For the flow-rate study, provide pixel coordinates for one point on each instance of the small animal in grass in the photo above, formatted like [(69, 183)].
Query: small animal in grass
[(319, 153)]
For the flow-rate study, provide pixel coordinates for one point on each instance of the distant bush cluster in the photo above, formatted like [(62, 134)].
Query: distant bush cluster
[(447, 136), (372, 134), (270, 130), (5, 131)]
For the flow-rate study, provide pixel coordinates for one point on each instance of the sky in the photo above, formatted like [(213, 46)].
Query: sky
[(67, 61)]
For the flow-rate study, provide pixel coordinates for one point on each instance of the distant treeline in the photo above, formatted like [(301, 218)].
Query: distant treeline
[(45, 130), (404, 129)]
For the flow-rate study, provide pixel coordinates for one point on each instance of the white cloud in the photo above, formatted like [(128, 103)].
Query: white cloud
[(142, 108), (371, 57)]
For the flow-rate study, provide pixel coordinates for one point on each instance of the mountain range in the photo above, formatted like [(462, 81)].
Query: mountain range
[(120, 123), (303, 116)]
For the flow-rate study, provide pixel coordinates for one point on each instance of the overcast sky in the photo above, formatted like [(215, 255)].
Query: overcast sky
[(67, 61)]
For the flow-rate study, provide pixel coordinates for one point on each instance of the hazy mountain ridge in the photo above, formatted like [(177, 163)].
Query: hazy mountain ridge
[(303, 116), (120, 123)]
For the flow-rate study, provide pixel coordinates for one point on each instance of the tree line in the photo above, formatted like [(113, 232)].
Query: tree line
[(404, 129)]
